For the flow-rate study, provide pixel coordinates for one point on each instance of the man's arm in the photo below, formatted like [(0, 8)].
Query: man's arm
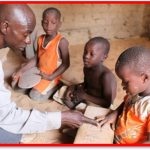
[(17, 120)]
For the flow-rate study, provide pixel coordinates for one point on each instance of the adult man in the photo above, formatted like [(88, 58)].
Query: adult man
[(16, 24)]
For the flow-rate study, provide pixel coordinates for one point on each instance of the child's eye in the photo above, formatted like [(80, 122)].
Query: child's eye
[(92, 54), (53, 22), (44, 22), (127, 82)]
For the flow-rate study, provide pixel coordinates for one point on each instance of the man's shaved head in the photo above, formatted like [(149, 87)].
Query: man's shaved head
[(17, 22), (19, 13)]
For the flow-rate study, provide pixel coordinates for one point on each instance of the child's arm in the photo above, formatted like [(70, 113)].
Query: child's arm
[(110, 118), (69, 95), (148, 139), (70, 90), (63, 47), (27, 66)]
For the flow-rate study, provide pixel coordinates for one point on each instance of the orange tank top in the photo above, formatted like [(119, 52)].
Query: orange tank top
[(49, 61), (48, 56)]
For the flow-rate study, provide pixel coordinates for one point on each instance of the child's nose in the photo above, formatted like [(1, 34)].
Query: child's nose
[(49, 24), (123, 84), (87, 55)]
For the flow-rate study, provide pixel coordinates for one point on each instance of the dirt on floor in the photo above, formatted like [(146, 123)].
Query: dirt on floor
[(75, 75)]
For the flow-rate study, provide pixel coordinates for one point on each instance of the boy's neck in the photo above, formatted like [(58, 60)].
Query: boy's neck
[(51, 37), (96, 68)]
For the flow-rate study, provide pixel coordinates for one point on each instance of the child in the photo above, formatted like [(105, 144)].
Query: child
[(52, 57), (133, 125), (99, 86)]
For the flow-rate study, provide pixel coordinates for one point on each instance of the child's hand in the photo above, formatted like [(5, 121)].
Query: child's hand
[(78, 95), (16, 75), (44, 76), (69, 92), (111, 119)]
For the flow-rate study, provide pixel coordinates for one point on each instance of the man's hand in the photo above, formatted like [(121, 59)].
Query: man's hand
[(75, 119)]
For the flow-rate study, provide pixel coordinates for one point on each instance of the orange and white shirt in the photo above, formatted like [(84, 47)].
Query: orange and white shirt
[(134, 123), (49, 61)]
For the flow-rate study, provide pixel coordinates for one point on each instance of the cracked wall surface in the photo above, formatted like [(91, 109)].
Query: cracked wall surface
[(80, 22)]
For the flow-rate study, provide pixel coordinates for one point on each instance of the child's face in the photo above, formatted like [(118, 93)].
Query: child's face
[(51, 23), (93, 55), (131, 82)]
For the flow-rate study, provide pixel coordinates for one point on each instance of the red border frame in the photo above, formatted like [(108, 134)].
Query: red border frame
[(75, 145), (74, 2)]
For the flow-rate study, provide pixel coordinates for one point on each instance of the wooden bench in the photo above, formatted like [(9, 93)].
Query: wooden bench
[(90, 134)]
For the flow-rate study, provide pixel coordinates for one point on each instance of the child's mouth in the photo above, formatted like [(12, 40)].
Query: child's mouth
[(49, 30), (85, 62)]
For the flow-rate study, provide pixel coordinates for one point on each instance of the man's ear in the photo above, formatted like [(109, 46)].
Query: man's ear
[(145, 77), (104, 57), (3, 27)]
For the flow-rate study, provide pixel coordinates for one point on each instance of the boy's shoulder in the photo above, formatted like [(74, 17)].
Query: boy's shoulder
[(107, 74), (63, 41), (107, 70)]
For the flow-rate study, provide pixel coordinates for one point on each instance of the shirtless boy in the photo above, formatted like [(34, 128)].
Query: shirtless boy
[(99, 86), (52, 57)]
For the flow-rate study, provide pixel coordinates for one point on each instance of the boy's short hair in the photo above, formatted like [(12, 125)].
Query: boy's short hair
[(52, 9), (137, 58), (103, 41)]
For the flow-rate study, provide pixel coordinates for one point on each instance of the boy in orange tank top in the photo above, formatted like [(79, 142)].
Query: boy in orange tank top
[(52, 57)]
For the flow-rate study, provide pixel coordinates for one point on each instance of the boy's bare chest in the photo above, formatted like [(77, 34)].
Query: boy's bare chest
[(93, 80)]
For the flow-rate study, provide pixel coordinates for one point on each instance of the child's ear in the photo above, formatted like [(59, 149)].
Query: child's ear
[(145, 77), (104, 57), (60, 23), (3, 27)]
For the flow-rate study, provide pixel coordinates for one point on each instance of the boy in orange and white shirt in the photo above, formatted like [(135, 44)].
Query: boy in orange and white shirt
[(132, 118), (52, 57)]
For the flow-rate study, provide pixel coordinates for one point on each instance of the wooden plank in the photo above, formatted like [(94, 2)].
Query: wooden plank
[(29, 78), (90, 134)]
